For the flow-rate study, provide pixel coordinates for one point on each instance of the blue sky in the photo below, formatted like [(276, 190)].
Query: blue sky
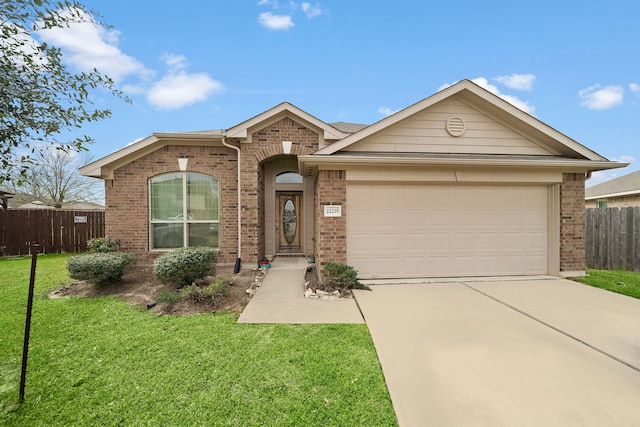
[(195, 65)]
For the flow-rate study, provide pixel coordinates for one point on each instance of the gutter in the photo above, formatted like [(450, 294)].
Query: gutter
[(236, 269), (337, 160)]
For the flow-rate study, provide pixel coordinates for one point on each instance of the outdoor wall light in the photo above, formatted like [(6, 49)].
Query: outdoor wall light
[(182, 163), (286, 147)]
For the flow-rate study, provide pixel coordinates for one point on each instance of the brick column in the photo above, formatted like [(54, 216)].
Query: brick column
[(572, 223), (331, 232)]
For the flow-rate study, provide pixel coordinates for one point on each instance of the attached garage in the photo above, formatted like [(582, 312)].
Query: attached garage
[(460, 184), (404, 230)]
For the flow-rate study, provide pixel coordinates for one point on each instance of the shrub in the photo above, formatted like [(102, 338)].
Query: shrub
[(103, 244), (183, 266), (100, 268), (342, 277), (200, 293)]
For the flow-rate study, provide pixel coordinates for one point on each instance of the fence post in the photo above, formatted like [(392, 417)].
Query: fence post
[(27, 325)]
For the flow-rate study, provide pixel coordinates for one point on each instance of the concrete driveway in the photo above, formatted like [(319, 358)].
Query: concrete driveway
[(545, 352)]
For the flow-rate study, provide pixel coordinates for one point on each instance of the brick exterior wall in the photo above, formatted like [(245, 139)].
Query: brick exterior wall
[(617, 202), (127, 197), (266, 143), (572, 223), (331, 232)]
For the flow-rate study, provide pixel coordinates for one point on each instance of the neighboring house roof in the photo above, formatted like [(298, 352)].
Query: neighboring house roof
[(621, 186), (36, 204), (83, 206), (79, 206)]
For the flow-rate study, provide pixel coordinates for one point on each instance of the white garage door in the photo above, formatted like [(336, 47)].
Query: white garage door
[(420, 230)]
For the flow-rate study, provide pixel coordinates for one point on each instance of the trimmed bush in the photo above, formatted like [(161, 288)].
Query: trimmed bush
[(183, 266), (100, 268), (342, 277), (103, 244)]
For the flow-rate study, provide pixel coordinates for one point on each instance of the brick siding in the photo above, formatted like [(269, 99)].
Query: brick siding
[(127, 197), (617, 202), (572, 223), (266, 143), (330, 232)]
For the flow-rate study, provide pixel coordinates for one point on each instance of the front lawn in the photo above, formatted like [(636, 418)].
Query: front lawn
[(620, 281), (95, 362)]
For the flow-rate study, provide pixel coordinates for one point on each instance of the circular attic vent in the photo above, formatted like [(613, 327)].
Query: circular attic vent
[(455, 126)]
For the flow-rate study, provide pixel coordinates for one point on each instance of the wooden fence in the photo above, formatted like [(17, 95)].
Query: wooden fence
[(55, 231), (613, 238)]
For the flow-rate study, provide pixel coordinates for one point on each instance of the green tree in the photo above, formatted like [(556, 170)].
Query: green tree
[(42, 101)]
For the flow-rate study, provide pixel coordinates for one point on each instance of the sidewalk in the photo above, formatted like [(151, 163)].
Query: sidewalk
[(280, 299)]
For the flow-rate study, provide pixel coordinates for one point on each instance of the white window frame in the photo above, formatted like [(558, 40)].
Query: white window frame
[(185, 207)]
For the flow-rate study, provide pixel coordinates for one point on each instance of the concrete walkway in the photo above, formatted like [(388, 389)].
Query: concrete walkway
[(280, 299), (546, 352)]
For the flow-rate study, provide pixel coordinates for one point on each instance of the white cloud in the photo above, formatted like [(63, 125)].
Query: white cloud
[(625, 158), (517, 81), (275, 22), (635, 88), (174, 62), (386, 111), (311, 11), (177, 90), (88, 46), (597, 97)]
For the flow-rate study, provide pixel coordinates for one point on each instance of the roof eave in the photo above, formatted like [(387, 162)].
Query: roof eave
[(567, 165), (103, 168), (242, 130)]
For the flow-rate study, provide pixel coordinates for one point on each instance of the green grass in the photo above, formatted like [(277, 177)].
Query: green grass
[(101, 362), (620, 281)]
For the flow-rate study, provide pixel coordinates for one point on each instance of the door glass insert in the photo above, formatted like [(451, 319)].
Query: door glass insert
[(289, 221)]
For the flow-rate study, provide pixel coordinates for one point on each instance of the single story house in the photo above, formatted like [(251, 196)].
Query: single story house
[(461, 183), (620, 192)]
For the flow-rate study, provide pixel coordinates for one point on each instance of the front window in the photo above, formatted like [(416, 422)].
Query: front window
[(184, 210)]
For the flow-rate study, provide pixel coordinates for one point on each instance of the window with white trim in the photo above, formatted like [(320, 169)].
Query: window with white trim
[(184, 210)]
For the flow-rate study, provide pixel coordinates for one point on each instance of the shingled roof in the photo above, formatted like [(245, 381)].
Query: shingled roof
[(622, 186)]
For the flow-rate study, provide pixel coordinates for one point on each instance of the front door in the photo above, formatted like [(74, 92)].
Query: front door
[(289, 221)]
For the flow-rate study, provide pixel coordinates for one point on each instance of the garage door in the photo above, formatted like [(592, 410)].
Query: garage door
[(427, 230)]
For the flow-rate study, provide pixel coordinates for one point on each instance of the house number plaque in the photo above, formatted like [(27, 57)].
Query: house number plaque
[(332, 210)]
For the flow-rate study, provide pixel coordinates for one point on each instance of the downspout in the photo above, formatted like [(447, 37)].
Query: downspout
[(236, 269)]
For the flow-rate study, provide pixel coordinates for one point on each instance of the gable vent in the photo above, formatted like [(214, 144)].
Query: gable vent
[(455, 126)]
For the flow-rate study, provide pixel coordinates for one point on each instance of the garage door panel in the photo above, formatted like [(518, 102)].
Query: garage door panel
[(426, 230)]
